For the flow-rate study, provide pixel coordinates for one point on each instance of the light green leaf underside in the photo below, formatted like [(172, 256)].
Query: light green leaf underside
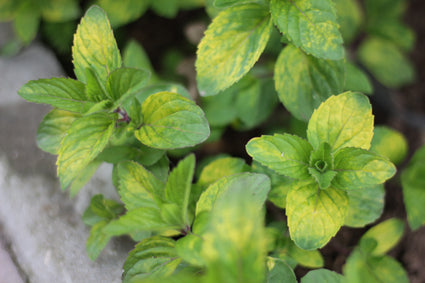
[(94, 46), (310, 25), (52, 129), (322, 275), (389, 143), (344, 120), (178, 188), (386, 62), (138, 186), (65, 94), (358, 168), (172, 121), (386, 234), (256, 185), (151, 258), (86, 138), (232, 44), (365, 205), (286, 154), (314, 216), (413, 184), (303, 81)]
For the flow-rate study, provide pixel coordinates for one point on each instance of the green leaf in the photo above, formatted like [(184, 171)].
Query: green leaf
[(310, 25), (53, 128), (178, 188), (281, 185), (86, 138), (323, 179), (101, 209), (138, 186), (172, 121), (322, 275), (279, 271), (165, 8), (358, 168), (303, 82), (314, 215), (227, 3), (289, 252), (286, 154), (162, 87), (356, 79), (413, 184), (65, 94), (255, 185), (95, 47), (232, 44), (60, 10), (389, 143), (220, 109), (234, 248), (360, 268), (255, 102), (155, 256), (97, 240), (124, 11), (365, 205), (95, 88), (134, 56), (140, 153), (344, 120), (138, 219), (126, 82), (222, 167), (386, 62), (350, 18), (83, 177), (386, 234), (27, 21), (189, 249)]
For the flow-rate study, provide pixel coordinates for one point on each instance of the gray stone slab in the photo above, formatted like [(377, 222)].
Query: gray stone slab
[(41, 223)]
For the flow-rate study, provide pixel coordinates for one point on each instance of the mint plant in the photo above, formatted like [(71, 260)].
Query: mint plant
[(204, 219), (104, 108), (333, 160)]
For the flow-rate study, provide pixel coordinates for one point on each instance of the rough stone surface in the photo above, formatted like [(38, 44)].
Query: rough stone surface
[(40, 224)]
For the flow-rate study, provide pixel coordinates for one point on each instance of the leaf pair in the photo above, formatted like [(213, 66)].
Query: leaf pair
[(368, 262), (152, 205), (238, 35), (331, 162)]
